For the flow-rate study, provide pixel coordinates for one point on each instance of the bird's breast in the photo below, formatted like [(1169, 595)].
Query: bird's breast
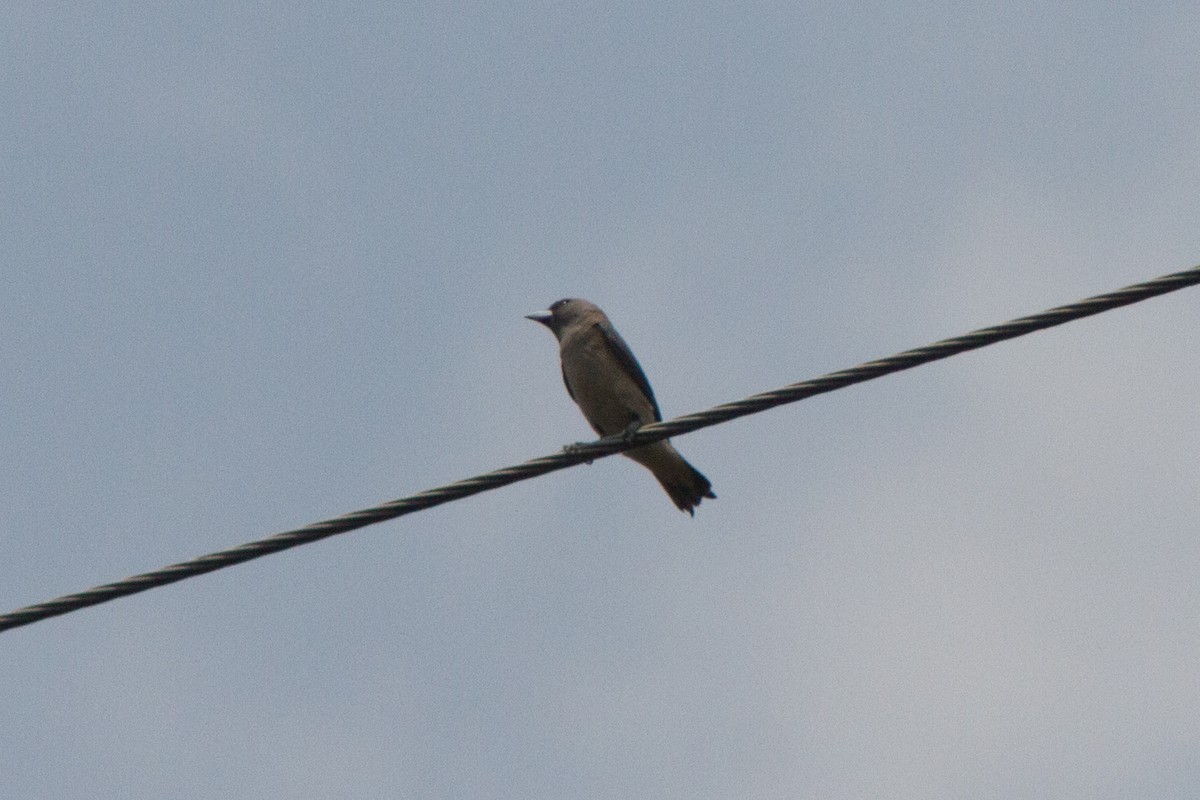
[(607, 395)]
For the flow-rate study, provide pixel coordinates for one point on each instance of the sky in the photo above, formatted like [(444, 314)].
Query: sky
[(268, 264)]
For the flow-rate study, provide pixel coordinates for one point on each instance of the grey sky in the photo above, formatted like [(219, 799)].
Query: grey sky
[(269, 265)]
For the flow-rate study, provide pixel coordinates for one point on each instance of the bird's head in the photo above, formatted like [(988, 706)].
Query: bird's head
[(563, 313)]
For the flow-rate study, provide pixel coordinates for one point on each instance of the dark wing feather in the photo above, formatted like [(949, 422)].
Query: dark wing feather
[(567, 384), (628, 363)]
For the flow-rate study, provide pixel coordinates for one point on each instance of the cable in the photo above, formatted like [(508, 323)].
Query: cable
[(601, 448)]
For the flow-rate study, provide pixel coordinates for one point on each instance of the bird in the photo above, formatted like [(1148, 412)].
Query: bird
[(605, 380)]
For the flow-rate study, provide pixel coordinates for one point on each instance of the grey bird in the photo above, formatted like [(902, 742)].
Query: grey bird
[(607, 383)]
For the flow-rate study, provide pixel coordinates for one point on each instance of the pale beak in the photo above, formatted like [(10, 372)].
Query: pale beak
[(543, 317)]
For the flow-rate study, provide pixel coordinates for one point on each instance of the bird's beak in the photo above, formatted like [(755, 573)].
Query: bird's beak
[(543, 317)]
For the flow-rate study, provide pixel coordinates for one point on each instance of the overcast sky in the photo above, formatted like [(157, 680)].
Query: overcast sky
[(266, 265)]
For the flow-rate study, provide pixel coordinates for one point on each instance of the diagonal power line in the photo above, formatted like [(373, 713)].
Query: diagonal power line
[(601, 448)]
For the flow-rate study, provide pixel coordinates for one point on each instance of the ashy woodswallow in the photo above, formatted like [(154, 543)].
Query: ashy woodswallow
[(607, 383)]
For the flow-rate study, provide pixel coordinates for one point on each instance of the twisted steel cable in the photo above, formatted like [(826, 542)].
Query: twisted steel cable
[(600, 448)]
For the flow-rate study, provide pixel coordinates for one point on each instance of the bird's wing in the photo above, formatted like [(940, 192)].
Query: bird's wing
[(628, 363), (567, 384)]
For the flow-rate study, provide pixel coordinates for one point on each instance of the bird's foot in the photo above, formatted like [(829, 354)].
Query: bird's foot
[(630, 430), (575, 447)]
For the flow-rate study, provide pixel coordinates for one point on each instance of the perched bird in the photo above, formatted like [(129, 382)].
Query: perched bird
[(607, 383)]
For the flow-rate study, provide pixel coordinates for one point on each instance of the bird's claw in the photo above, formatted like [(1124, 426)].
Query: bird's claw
[(575, 447)]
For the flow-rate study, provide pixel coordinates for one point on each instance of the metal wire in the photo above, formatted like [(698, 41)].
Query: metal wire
[(601, 448)]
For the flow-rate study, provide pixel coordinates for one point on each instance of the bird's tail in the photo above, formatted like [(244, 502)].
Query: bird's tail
[(683, 483)]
